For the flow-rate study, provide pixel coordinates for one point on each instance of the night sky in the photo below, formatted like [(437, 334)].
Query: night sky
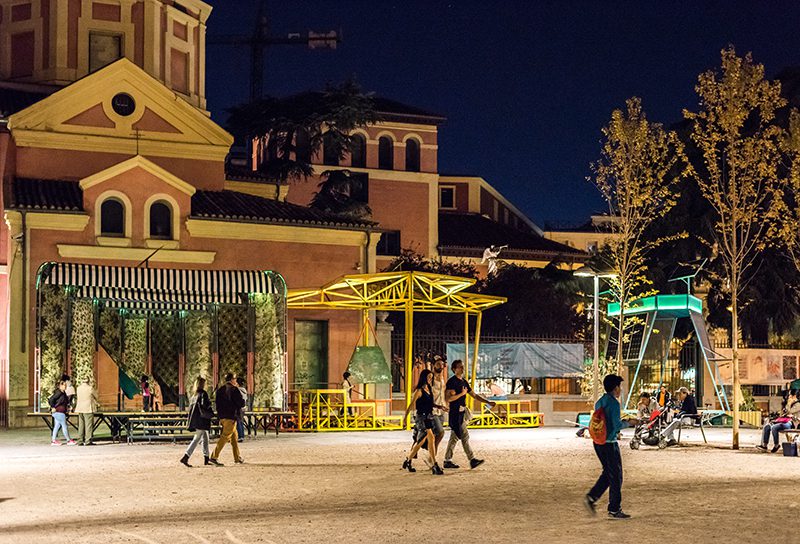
[(526, 86)]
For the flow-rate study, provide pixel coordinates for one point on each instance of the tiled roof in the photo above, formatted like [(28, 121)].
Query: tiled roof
[(236, 172), (59, 195), (18, 96), (468, 234), (46, 195), (244, 207)]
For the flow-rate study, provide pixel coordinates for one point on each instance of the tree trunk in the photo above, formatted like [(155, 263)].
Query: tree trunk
[(620, 357), (735, 365)]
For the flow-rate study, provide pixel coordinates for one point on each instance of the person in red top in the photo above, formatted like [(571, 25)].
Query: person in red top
[(147, 396)]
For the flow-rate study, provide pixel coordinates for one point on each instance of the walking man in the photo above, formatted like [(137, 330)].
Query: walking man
[(608, 453), (85, 408), (456, 393), (229, 401)]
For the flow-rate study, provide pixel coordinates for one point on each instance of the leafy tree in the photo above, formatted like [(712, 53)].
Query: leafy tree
[(636, 175), (293, 129), (337, 192), (541, 302), (739, 176)]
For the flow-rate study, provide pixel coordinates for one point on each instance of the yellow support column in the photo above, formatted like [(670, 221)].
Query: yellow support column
[(409, 354), (475, 353)]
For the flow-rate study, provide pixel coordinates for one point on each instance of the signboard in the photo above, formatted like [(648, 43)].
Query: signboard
[(761, 366)]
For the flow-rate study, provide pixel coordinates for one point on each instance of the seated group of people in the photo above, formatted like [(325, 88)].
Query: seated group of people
[(787, 418), (682, 412)]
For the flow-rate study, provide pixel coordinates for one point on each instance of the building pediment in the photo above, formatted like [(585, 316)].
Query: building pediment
[(137, 162), (120, 109)]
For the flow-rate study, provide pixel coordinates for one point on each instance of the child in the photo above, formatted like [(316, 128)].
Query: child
[(146, 396), (643, 410)]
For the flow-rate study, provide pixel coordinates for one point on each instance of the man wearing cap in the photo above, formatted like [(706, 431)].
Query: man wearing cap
[(608, 453)]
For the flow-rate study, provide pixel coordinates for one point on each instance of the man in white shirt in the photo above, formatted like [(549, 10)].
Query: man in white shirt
[(85, 408)]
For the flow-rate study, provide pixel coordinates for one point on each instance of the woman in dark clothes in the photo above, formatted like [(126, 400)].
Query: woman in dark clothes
[(200, 415), (422, 400)]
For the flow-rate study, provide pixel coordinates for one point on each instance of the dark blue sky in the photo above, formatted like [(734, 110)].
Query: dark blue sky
[(526, 85)]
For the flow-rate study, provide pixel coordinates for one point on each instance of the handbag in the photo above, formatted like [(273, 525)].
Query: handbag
[(467, 416)]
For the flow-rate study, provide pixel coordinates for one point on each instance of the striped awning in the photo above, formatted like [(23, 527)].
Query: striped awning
[(160, 288)]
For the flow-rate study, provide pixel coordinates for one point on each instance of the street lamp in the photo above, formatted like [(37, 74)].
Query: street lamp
[(590, 272)]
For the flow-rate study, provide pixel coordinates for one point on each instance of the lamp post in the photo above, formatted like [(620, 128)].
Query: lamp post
[(589, 272)]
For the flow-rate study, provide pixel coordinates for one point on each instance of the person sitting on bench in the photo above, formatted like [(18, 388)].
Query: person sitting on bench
[(787, 418), (688, 407)]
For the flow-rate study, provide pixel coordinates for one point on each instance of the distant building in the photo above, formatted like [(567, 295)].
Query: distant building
[(590, 236)]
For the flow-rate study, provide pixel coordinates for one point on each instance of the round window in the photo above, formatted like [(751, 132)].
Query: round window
[(123, 104)]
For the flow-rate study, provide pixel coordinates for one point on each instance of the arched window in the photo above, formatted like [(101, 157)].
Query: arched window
[(160, 221), (330, 155), (112, 218), (358, 153), (412, 155), (385, 153)]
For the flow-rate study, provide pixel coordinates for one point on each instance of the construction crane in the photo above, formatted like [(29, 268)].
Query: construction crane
[(260, 39)]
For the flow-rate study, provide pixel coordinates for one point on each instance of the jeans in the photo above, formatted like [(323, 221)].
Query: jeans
[(668, 431), (451, 444), (60, 420), (773, 428), (199, 434), (611, 477), (240, 429), (85, 428), (147, 403), (227, 434)]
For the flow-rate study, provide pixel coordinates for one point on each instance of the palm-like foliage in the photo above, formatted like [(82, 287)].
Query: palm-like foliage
[(293, 128)]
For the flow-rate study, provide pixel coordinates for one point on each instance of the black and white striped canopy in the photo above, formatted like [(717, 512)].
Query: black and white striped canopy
[(160, 288)]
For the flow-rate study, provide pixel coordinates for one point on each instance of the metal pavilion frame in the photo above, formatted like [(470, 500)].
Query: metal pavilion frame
[(406, 292)]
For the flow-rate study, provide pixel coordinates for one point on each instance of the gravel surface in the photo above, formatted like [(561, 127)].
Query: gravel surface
[(348, 488)]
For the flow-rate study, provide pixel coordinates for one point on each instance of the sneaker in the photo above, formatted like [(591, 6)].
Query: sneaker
[(672, 442), (214, 462), (475, 463), (239, 461), (450, 464), (776, 448), (55, 443), (437, 470), (71, 443), (761, 447), (618, 515), (588, 502)]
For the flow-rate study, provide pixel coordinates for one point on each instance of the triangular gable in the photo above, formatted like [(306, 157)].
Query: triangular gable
[(137, 162), (163, 123)]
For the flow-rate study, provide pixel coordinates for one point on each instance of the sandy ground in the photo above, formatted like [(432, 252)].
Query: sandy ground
[(349, 488)]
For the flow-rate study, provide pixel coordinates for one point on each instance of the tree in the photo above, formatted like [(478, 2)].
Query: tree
[(293, 129), (636, 175), (337, 194), (739, 174)]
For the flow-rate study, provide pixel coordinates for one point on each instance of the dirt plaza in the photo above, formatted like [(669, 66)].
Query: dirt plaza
[(349, 487)]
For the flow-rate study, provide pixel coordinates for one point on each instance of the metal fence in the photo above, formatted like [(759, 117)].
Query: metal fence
[(428, 345)]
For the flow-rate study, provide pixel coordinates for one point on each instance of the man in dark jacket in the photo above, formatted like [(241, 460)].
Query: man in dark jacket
[(688, 408), (229, 402)]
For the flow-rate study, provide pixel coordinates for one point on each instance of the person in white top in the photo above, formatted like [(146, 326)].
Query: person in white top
[(85, 407), (439, 379)]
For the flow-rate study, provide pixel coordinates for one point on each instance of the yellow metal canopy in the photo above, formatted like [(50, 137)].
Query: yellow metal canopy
[(408, 292), (395, 291)]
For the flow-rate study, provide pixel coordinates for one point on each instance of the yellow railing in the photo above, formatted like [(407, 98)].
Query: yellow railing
[(330, 410), (507, 414)]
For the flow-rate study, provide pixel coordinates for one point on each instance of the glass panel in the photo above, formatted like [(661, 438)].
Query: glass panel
[(310, 354)]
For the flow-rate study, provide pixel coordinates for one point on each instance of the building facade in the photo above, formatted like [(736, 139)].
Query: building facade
[(108, 157)]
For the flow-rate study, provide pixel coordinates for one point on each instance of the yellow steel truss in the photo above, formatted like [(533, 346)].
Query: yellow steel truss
[(406, 292)]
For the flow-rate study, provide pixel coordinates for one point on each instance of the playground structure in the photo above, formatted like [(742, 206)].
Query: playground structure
[(407, 292), (653, 332)]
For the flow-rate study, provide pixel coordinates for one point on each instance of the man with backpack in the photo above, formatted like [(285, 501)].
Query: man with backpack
[(604, 427)]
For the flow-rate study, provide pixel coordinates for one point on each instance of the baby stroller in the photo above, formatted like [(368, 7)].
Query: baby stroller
[(651, 431)]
